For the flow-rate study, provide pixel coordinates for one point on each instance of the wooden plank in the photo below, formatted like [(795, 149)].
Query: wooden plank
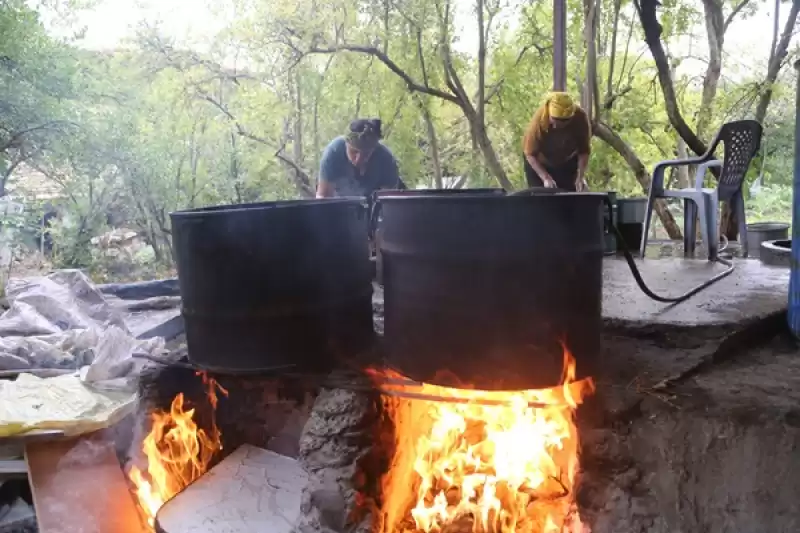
[(78, 487), (250, 490), (36, 435)]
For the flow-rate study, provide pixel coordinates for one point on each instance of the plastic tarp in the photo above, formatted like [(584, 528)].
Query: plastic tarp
[(63, 321)]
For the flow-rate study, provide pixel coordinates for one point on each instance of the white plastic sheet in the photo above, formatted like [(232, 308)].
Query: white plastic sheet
[(62, 321)]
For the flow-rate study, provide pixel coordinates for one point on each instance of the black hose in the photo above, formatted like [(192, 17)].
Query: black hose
[(640, 281)]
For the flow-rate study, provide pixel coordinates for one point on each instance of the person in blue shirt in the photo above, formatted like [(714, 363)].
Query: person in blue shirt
[(358, 163)]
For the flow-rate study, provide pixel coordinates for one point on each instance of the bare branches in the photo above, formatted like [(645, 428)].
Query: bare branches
[(17, 138), (483, 32), (185, 60), (301, 178), (732, 15), (496, 87), (613, 55), (605, 133), (778, 55), (378, 54), (652, 32)]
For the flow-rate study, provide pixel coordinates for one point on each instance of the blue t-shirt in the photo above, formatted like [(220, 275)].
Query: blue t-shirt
[(380, 173)]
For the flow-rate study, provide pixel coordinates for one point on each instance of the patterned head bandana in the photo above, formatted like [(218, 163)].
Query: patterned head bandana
[(364, 134), (557, 105), (560, 106)]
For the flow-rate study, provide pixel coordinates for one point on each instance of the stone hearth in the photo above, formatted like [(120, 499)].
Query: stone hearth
[(694, 426)]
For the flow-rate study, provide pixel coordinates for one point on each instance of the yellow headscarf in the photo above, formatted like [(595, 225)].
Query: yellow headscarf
[(557, 105)]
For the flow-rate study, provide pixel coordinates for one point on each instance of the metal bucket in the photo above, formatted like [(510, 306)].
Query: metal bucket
[(764, 231)]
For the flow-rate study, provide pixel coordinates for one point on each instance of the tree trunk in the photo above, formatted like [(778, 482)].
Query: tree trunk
[(715, 31), (652, 34), (490, 155), (777, 56), (433, 142), (606, 134), (613, 53), (590, 93), (297, 141), (683, 171)]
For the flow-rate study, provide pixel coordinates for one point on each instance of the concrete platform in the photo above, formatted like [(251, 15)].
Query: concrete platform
[(751, 292)]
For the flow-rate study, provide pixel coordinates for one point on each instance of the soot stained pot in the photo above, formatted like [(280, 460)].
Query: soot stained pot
[(481, 290), (375, 214), (276, 283)]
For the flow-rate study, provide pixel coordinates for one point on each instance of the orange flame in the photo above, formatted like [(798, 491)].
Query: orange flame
[(177, 452), (487, 462)]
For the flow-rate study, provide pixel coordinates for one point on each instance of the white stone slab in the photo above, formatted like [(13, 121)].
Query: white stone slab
[(252, 490)]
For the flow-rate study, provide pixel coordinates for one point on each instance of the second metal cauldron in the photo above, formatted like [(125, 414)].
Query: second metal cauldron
[(483, 290)]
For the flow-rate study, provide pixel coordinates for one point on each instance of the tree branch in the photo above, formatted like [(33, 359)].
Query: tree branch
[(498, 85), (776, 61), (604, 132), (732, 15), (652, 32), (391, 65), (301, 178), (18, 135)]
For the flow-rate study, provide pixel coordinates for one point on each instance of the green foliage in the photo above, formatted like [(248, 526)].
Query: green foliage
[(130, 135), (771, 204)]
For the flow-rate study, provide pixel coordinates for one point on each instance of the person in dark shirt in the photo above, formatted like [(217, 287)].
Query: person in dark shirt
[(357, 163), (557, 145)]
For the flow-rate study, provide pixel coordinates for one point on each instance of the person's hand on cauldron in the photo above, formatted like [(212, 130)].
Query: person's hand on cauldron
[(580, 184), (548, 182)]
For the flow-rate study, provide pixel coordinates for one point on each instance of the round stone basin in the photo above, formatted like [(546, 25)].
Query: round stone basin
[(777, 252)]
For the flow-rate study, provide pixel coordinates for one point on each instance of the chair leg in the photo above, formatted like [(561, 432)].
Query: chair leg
[(742, 221), (689, 227), (648, 215), (703, 215), (712, 225)]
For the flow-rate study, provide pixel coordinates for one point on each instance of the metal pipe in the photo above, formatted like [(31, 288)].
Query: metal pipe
[(559, 45), (794, 275)]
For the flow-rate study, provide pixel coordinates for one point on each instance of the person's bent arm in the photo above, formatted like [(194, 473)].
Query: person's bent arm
[(390, 179), (584, 151), (583, 163), (547, 180), (530, 147), (325, 187)]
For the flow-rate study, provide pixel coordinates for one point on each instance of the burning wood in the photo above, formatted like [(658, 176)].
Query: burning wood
[(177, 452), (486, 461)]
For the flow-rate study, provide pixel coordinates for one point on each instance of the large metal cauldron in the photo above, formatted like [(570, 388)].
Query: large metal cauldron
[(375, 214), (272, 284), (482, 290)]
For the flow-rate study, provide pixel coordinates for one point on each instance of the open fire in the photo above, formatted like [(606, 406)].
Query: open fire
[(483, 461), (461, 460), (177, 452)]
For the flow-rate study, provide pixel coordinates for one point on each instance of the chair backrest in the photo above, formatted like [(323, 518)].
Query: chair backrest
[(741, 139)]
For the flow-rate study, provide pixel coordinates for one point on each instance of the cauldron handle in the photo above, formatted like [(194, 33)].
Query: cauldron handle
[(374, 213)]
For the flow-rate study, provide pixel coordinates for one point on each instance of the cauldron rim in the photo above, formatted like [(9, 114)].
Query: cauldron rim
[(485, 197), (219, 210)]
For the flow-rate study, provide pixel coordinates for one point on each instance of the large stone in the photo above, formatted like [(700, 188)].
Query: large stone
[(338, 451), (250, 490)]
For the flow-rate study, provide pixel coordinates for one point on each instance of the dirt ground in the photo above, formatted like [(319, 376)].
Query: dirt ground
[(694, 435)]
